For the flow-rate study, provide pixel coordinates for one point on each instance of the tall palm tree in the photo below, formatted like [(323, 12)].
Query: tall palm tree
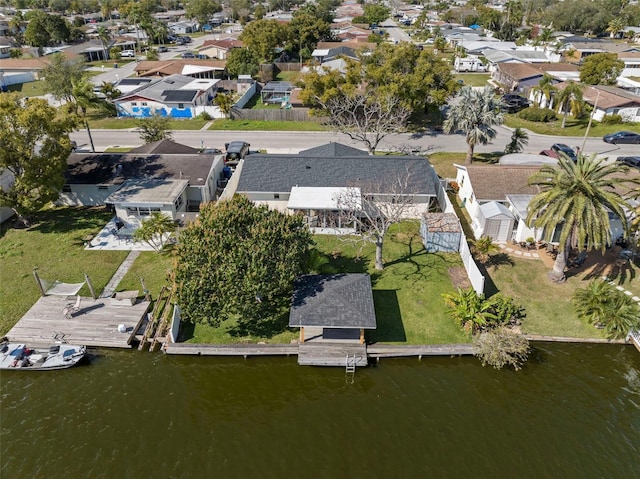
[(519, 139), (104, 35), (545, 90), (475, 113), (570, 100), (575, 198)]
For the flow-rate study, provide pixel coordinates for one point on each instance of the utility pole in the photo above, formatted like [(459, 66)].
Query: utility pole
[(595, 106)]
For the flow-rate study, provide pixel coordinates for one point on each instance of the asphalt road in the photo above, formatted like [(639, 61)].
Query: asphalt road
[(293, 142)]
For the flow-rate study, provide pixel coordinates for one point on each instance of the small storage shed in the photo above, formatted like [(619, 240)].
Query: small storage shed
[(496, 221), (440, 232)]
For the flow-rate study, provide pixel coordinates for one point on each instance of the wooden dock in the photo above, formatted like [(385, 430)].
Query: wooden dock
[(94, 324), (332, 354), (402, 351), (244, 350)]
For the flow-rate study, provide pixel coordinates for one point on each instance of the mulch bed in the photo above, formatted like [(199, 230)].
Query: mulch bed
[(459, 278)]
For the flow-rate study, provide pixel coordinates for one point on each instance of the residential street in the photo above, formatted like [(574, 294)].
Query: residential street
[(292, 142)]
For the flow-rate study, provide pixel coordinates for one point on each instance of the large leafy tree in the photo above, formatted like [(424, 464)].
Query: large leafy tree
[(575, 199), (607, 308), (475, 113), (305, 31), (238, 262), (202, 10), (34, 147), (569, 100), (242, 61), (264, 36), (154, 128), (61, 75), (601, 69), (44, 30)]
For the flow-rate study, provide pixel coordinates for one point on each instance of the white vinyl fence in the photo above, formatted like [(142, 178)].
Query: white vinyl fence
[(476, 278)]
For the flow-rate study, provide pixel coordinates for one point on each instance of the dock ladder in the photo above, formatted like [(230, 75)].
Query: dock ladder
[(350, 369), (634, 337)]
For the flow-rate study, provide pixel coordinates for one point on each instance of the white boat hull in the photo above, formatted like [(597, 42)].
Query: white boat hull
[(18, 356)]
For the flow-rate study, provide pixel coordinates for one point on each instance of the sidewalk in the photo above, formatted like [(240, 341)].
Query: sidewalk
[(111, 286)]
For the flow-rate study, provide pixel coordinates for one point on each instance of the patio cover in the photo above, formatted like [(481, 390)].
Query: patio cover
[(324, 198), (148, 191), (192, 69)]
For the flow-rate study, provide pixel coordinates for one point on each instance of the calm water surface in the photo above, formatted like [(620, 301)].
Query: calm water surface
[(573, 412)]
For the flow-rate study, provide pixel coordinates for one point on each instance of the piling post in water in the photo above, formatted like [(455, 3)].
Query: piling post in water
[(35, 275)]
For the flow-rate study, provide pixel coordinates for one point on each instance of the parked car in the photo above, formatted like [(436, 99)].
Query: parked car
[(236, 150), (188, 55), (162, 49), (128, 54), (513, 102), (633, 161), (628, 137), (567, 150)]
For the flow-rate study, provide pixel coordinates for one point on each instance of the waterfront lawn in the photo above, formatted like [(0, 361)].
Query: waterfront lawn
[(151, 267), (548, 305), (53, 244), (407, 293)]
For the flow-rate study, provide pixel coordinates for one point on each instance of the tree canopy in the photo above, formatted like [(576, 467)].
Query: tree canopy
[(242, 61), (601, 69), (237, 263), (154, 128), (263, 37), (35, 146), (202, 10)]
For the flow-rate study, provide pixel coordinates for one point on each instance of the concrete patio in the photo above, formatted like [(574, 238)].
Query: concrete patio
[(110, 238)]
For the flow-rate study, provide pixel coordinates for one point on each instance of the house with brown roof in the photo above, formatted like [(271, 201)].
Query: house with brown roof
[(610, 100), (219, 48), (21, 70), (188, 67), (522, 77), (484, 191)]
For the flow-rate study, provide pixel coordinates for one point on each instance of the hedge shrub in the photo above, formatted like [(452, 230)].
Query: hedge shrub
[(540, 115)]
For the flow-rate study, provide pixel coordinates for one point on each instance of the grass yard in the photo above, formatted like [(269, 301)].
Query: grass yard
[(152, 268), (53, 244), (548, 305), (443, 162), (406, 293), (249, 125), (30, 89), (572, 128), (474, 79), (98, 120)]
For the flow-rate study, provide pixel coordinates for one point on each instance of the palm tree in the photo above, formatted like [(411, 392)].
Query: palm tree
[(475, 113), (104, 35), (607, 308), (570, 100), (519, 139), (616, 26), (84, 96), (154, 229), (575, 199), (545, 90)]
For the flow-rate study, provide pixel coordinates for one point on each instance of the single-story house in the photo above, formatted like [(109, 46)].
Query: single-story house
[(483, 190), (523, 77), (176, 96), (326, 51), (314, 182), (182, 28), (5, 51), (191, 67), (220, 48), (176, 182), (333, 307), (611, 100)]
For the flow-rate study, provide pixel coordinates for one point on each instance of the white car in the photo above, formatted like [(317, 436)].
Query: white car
[(128, 54)]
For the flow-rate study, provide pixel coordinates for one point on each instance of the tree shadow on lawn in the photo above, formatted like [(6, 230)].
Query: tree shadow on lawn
[(389, 319), (66, 220)]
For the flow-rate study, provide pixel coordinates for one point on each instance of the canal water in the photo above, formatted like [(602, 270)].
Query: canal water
[(572, 412)]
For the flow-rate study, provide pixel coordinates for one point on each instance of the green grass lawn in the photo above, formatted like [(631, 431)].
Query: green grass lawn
[(54, 245), (572, 127), (548, 305), (249, 125), (443, 162), (474, 79), (30, 89), (99, 120), (151, 267)]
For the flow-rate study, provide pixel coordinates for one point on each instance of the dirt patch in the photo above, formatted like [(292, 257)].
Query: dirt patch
[(458, 277)]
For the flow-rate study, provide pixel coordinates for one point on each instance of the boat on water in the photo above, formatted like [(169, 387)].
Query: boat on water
[(57, 356)]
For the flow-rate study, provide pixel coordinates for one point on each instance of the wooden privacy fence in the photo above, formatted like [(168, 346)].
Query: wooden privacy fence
[(298, 114)]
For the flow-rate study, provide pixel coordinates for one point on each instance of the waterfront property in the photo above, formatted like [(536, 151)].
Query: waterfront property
[(91, 322)]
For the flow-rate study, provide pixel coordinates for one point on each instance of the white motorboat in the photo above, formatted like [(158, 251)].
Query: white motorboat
[(57, 356)]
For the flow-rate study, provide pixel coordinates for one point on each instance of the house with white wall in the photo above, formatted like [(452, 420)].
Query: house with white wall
[(314, 182), (176, 96), (136, 184)]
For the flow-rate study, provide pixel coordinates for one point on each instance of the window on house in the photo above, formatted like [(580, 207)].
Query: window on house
[(133, 103), (103, 187), (66, 188), (180, 106), (178, 203), (276, 196), (144, 103)]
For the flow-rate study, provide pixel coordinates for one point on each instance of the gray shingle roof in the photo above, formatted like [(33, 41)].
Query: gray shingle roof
[(101, 169), (165, 147), (333, 301), (280, 173), (333, 150)]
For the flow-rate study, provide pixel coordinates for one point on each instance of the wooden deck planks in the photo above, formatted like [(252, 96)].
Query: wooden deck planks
[(395, 351), (244, 350), (95, 324), (331, 354)]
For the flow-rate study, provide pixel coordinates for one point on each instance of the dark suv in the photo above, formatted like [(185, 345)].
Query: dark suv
[(567, 150), (236, 150), (513, 102)]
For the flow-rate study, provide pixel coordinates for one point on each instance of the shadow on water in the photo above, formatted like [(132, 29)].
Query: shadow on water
[(389, 318)]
